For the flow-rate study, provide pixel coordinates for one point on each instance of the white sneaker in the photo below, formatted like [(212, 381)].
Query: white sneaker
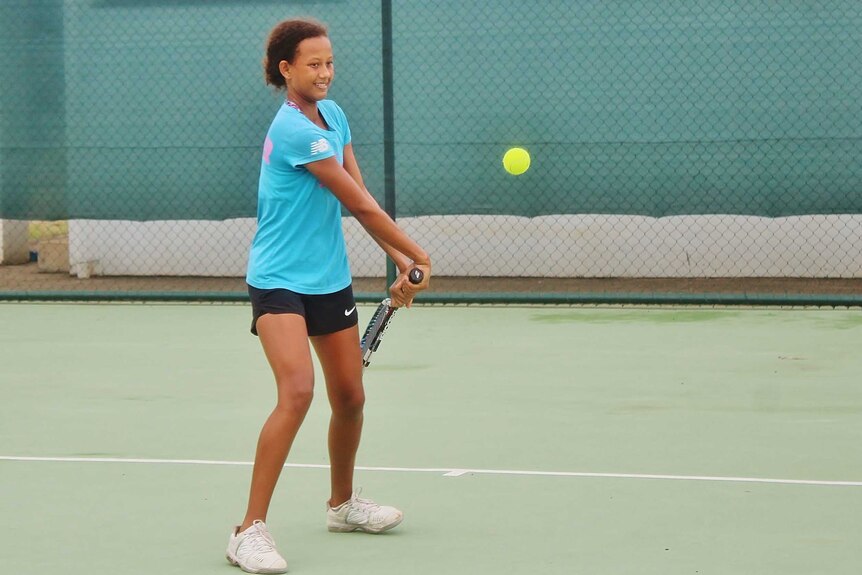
[(254, 551), (362, 515)]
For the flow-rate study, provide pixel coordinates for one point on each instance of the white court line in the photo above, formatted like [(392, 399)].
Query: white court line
[(446, 472)]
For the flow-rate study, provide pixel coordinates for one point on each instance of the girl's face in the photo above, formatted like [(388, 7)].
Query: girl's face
[(309, 76)]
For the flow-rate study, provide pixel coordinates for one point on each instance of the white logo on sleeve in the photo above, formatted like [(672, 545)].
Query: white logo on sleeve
[(319, 146)]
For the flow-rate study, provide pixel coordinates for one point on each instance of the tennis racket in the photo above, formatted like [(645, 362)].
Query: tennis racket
[(379, 322)]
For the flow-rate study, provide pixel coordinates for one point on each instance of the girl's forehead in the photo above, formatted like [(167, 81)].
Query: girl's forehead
[(317, 46)]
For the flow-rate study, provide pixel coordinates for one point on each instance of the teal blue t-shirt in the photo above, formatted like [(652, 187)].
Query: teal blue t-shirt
[(299, 243)]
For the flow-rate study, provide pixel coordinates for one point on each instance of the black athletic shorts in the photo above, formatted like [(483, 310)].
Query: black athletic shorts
[(326, 313)]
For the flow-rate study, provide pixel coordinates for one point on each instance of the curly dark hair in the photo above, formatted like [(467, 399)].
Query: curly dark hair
[(283, 42)]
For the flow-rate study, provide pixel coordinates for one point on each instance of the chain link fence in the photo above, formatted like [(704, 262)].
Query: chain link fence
[(702, 151)]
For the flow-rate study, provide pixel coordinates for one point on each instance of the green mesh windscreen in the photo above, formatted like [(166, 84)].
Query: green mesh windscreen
[(156, 110)]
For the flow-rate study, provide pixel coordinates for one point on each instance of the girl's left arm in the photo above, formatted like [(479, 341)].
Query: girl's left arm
[(351, 166)]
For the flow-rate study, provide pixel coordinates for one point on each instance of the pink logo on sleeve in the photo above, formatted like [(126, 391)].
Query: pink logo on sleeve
[(267, 149)]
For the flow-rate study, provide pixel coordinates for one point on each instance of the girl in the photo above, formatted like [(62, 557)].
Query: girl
[(300, 286)]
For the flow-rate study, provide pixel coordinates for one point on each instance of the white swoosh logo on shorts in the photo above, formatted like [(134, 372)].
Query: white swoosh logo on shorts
[(350, 311)]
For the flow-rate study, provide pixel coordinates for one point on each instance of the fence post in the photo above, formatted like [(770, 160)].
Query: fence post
[(388, 124)]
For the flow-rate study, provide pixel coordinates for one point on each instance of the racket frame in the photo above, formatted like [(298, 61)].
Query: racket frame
[(377, 327)]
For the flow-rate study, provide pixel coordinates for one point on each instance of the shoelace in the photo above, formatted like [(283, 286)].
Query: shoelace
[(365, 504), (261, 541)]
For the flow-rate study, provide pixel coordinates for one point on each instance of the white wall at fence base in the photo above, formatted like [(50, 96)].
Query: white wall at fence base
[(547, 246), (13, 242), (159, 248)]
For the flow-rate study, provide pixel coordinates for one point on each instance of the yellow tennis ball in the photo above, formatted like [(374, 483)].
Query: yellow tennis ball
[(516, 161)]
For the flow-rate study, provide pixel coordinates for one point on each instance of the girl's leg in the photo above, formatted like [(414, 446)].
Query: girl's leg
[(285, 343), (341, 361)]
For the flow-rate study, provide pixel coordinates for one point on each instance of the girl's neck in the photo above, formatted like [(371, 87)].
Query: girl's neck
[(307, 108)]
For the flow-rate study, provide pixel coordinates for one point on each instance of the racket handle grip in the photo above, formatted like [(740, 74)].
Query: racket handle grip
[(416, 276)]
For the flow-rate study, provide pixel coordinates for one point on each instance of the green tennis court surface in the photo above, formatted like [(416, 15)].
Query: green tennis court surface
[(516, 440)]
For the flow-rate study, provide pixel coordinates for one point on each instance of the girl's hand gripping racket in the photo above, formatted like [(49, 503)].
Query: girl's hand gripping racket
[(380, 321)]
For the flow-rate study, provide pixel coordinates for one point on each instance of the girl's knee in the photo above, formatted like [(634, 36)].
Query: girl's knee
[(348, 402), (295, 396)]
